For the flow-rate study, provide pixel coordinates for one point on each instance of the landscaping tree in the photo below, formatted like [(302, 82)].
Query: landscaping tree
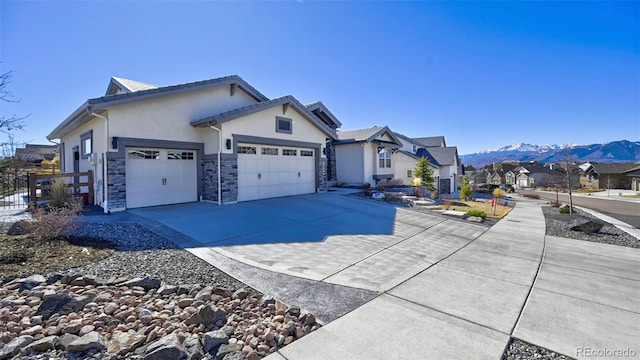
[(424, 172), (466, 192), (571, 173), (12, 122)]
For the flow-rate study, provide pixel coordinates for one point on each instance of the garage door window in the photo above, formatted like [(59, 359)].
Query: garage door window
[(306, 153), (180, 155), (269, 151), (289, 152), (144, 154), (247, 150)]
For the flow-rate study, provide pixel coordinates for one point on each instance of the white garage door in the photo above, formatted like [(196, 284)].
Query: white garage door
[(266, 171), (160, 177)]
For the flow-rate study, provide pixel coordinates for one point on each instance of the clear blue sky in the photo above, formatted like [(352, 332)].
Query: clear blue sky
[(483, 74)]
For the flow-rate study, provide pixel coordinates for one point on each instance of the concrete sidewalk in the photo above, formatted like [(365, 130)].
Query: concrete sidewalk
[(572, 297)]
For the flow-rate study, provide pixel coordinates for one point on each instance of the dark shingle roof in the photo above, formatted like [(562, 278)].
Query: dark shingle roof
[(615, 168), (432, 141)]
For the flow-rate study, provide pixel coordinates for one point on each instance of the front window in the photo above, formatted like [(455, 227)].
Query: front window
[(410, 174), (384, 158), (86, 144)]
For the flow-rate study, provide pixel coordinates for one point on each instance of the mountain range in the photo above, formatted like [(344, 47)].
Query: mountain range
[(615, 151)]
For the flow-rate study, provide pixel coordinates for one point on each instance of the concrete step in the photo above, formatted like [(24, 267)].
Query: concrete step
[(456, 214)]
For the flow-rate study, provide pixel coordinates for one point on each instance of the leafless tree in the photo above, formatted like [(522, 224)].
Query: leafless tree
[(571, 172), (12, 122)]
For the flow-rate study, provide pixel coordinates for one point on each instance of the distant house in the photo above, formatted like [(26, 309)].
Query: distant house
[(365, 155), (34, 153), (611, 176), (445, 160)]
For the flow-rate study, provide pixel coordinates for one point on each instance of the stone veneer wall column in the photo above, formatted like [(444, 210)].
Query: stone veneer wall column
[(229, 169), (209, 179), (331, 161), (322, 175), (116, 184)]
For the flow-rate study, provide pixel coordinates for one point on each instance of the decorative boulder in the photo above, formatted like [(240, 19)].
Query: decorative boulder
[(585, 225)]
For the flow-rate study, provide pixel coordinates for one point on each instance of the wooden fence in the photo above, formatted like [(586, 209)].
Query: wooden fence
[(43, 183)]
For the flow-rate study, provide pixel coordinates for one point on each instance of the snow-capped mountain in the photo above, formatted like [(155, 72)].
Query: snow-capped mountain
[(616, 151)]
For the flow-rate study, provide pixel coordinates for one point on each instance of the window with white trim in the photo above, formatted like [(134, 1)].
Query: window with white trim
[(410, 174), (384, 158), (86, 144), (306, 153)]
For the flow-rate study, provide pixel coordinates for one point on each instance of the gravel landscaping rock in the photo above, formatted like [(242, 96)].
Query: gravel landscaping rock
[(521, 350), (608, 234), (147, 300)]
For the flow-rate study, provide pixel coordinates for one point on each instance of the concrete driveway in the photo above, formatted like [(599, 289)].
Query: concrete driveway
[(323, 237)]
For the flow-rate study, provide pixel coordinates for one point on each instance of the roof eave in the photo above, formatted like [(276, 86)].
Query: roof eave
[(72, 122)]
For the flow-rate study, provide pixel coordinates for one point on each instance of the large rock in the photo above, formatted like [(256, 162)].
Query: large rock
[(147, 283), (90, 341), (13, 347), (44, 344), (585, 225), (193, 347), (65, 340), (62, 304), (167, 347), (207, 315), (30, 282), (212, 340), (125, 342), (227, 349)]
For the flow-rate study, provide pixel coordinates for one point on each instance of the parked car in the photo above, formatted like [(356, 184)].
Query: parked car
[(507, 188), (486, 188)]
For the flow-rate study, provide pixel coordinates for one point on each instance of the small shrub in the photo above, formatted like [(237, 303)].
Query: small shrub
[(392, 197), (565, 209), (497, 193), (477, 213), (466, 192), (366, 189), (447, 203), (395, 182), (59, 193), (51, 223), (532, 196)]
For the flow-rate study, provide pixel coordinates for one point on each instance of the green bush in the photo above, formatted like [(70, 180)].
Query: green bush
[(477, 213), (564, 210)]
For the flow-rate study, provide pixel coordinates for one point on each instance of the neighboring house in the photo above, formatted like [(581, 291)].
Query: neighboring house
[(34, 153), (535, 174), (501, 173), (365, 155), (406, 159), (611, 176), (218, 140), (445, 160)]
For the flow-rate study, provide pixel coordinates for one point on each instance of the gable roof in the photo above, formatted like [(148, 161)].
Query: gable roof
[(431, 141), (320, 110), (254, 108), (432, 162), (84, 113), (444, 155), (126, 86), (615, 168), (422, 152), (365, 135), (408, 139)]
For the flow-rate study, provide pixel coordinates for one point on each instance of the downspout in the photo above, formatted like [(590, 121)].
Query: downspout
[(219, 167), (105, 204)]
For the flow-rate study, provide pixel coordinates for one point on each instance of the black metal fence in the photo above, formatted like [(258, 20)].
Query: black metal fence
[(14, 189)]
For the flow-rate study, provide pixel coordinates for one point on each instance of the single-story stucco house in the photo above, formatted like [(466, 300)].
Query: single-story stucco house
[(365, 155), (218, 140)]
